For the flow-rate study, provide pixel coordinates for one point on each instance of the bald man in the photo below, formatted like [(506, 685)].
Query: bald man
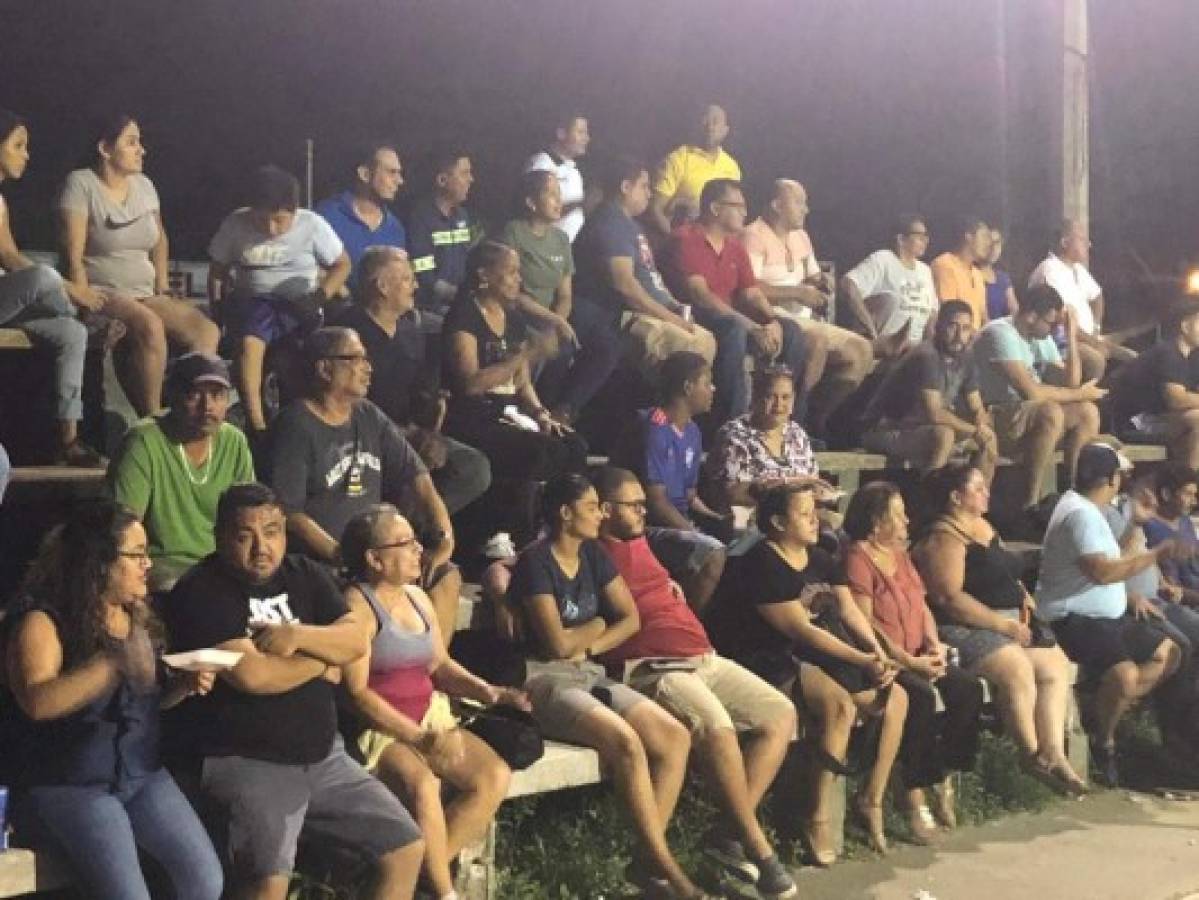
[(784, 262)]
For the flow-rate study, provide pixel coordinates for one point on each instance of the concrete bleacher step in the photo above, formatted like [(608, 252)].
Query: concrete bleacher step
[(25, 872), (14, 339)]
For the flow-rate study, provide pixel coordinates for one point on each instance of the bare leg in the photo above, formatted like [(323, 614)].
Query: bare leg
[(410, 779), (719, 755), (1037, 448), (764, 752), (273, 888), (481, 779), (1080, 424), (1184, 446), (1051, 669), (145, 345), (185, 324), (835, 711), (444, 595), (398, 871), (700, 587), (667, 744), (249, 381), (1010, 672), (847, 365)]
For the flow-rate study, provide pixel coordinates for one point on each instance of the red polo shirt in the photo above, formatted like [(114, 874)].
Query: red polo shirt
[(726, 272)]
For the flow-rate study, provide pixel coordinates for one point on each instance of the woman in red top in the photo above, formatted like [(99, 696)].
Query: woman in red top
[(890, 591)]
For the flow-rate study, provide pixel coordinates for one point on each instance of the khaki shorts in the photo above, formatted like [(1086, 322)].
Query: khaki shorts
[(648, 341), (1012, 421), (438, 717), (563, 693), (713, 693), (838, 340)]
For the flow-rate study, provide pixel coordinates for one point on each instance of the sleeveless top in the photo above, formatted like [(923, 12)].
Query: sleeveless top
[(109, 742), (992, 572), (399, 667)]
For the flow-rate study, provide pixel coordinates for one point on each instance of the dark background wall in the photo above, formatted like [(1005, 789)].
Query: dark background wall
[(880, 106)]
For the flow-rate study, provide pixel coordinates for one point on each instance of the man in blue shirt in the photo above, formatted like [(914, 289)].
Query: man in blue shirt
[(1115, 638), (360, 215), (615, 269), (441, 230)]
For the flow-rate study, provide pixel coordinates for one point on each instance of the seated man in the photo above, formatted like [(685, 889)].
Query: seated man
[(681, 177), (1154, 396), (616, 271), (710, 267), (928, 405), (671, 660), (571, 137), (360, 215), (1175, 490), (672, 451), (1065, 270), (889, 296), (1115, 639), (1036, 400), (334, 454), (273, 267), (172, 468), (404, 375), (265, 739), (956, 273), (785, 265), (441, 230)]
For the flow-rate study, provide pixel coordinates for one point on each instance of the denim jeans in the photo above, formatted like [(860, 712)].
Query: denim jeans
[(728, 371), (35, 301), (573, 377), (99, 830)]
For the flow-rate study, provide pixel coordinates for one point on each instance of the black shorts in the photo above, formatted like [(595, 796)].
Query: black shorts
[(1098, 644)]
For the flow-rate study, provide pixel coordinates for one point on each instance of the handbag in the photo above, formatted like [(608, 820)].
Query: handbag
[(512, 733)]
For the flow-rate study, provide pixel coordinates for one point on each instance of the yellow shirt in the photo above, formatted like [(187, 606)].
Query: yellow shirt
[(955, 280), (687, 169)]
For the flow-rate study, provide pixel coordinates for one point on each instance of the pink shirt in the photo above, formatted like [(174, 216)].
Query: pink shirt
[(898, 599), (784, 262)]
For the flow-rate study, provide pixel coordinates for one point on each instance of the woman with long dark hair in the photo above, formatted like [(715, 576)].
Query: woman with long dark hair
[(81, 659), (572, 605), (890, 591), (116, 254), (34, 298), (974, 583)]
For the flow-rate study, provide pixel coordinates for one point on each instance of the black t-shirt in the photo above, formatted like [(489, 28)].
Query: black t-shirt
[(211, 605), (1140, 386), (400, 362), (332, 473), (760, 578), (465, 315), (923, 368), (580, 599)]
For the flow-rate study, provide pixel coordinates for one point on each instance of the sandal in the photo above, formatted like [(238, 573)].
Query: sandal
[(819, 841), (923, 825), (1060, 778), (943, 807), (870, 817)]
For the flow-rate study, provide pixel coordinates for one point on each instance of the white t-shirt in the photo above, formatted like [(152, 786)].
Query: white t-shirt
[(882, 272), (287, 265), (570, 180), (1072, 280), (1077, 528)]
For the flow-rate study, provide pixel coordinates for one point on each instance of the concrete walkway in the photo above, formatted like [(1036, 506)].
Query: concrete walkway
[(1114, 846)]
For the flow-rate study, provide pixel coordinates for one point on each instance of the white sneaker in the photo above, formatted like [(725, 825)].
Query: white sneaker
[(499, 546)]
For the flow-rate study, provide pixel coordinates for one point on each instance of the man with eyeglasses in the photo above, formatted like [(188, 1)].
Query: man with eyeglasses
[(1036, 399), (671, 660), (1065, 269), (359, 215), (709, 267), (173, 467), (788, 273), (334, 454), (889, 296)]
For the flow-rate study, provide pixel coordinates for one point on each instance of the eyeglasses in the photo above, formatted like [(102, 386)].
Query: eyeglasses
[(639, 505), (734, 204), (348, 357), (916, 233), (398, 544), (142, 556)]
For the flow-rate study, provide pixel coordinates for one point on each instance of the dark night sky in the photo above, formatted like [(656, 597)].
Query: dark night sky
[(878, 105)]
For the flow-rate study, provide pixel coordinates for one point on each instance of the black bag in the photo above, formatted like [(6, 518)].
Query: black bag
[(512, 733)]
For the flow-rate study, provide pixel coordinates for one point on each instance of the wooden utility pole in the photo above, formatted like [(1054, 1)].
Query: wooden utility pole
[(1074, 144)]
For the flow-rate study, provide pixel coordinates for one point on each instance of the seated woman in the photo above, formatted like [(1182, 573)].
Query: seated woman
[(784, 612), (889, 590), (80, 655), (587, 351), (411, 742), (34, 299), (568, 604), (1001, 296), (764, 447), (986, 613), (115, 251), (493, 406)]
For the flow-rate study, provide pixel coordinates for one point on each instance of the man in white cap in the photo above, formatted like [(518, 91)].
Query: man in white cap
[(173, 467), (1115, 637)]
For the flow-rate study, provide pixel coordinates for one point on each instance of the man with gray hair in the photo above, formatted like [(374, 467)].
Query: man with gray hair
[(404, 382), (784, 262), (1065, 270)]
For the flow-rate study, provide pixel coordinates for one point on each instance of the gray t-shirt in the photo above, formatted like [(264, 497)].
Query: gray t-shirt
[(910, 292), (287, 265), (1147, 582), (923, 368), (120, 236), (544, 260), (332, 473), (1000, 342)]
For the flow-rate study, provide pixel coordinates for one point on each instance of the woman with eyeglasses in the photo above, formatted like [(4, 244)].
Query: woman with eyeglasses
[(570, 606), (411, 741), (81, 665)]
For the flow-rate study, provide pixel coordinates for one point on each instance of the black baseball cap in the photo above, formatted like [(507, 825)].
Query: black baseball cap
[(198, 368)]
